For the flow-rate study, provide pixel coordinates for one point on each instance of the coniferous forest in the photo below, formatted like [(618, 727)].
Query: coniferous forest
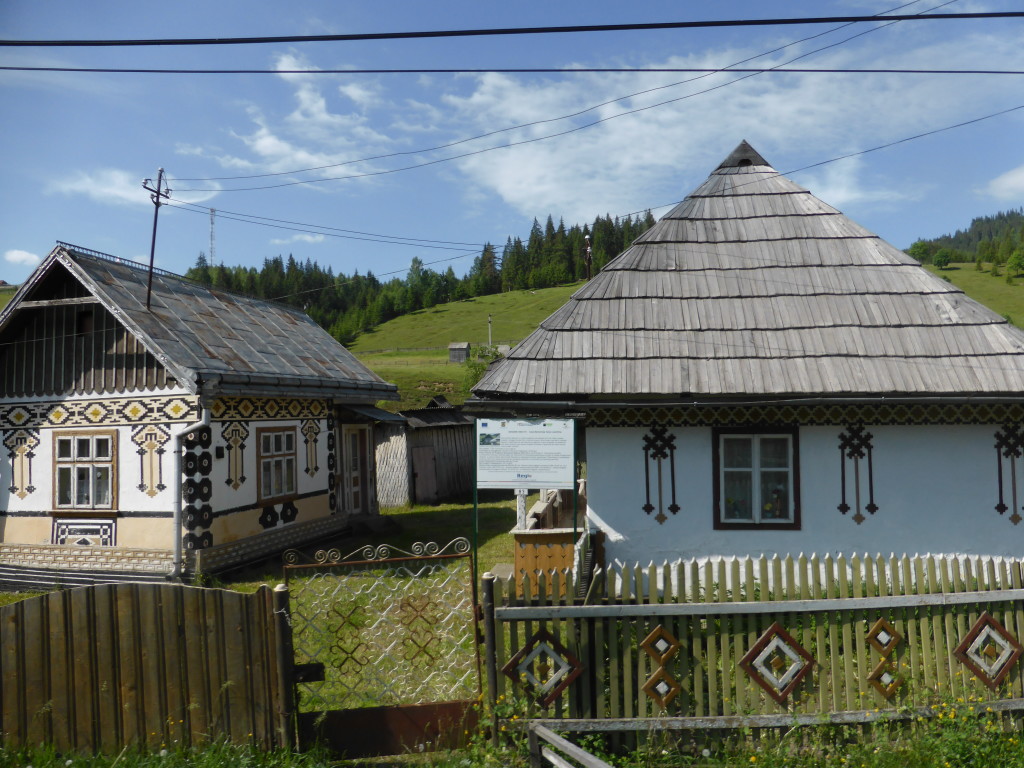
[(347, 305), (989, 239)]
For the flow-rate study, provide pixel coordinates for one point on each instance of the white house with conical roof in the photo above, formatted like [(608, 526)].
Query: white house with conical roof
[(757, 374)]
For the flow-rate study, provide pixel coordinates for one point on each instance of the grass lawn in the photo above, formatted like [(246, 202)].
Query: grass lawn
[(514, 315), (994, 292), (439, 524)]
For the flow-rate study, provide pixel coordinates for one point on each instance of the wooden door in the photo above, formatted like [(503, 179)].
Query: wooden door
[(355, 472)]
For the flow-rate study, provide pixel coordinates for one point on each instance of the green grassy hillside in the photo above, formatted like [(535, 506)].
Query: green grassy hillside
[(6, 293), (412, 351)]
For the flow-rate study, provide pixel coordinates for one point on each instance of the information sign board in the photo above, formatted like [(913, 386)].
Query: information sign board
[(525, 453)]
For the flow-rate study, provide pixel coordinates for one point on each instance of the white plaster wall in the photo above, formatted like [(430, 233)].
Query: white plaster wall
[(129, 497), (226, 497), (935, 487)]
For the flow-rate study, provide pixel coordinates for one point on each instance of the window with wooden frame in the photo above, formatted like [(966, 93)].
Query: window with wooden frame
[(85, 470), (757, 478), (276, 462)]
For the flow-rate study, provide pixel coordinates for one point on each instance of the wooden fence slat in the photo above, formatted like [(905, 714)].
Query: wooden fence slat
[(35, 656), (1017, 675), (81, 615), (108, 723), (697, 635), (58, 714)]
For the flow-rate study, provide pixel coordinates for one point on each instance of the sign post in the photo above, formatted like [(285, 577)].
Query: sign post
[(519, 454)]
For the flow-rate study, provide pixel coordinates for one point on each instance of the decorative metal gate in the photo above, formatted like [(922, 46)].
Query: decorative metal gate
[(386, 647)]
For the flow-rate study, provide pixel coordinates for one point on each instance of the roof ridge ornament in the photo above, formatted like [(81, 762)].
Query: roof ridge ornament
[(743, 155)]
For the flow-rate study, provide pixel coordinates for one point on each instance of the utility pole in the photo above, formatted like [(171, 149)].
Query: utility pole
[(586, 256), (489, 330), (213, 239), (157, 195)]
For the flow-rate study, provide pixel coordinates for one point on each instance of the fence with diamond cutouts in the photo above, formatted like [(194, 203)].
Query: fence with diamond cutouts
[(749, 642), (385, 646)]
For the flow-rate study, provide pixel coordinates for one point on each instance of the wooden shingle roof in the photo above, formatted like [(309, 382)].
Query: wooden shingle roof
[(752, 286), (217, 341)]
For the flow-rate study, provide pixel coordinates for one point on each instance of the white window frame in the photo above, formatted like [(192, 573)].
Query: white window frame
[(277, 463), (85, 464), (759, 517)]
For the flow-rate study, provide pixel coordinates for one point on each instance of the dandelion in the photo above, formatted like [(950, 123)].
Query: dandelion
[(706, 752), (164, 753), (753, 758)]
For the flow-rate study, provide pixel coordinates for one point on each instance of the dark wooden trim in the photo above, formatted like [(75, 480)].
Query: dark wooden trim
[(716, 465), (85, 514), (57, 302)]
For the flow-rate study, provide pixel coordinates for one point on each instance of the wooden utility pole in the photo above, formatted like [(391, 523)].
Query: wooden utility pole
[(157, 195)]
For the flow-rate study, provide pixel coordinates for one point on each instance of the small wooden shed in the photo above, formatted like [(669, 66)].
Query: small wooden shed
[(429, 458), (458, 352)]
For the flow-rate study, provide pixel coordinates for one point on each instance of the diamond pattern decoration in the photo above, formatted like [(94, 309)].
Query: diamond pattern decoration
[(544, 666), (777, 662), (662, 688), (885, 677), (989, 651), (661, 645), (883, 637)]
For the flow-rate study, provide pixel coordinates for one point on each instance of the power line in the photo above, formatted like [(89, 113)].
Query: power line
[(589, 28), (607, 101), (518, 70), (252, 220), (385, 238), (522, 142)]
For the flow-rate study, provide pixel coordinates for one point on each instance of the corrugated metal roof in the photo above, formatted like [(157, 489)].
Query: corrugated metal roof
[(753, 287), (228, 341)]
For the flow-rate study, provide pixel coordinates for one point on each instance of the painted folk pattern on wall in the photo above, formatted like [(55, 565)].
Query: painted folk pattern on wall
[(197, 489), (106, 412), (807, 415), (1009, 448), (21, 445), (143, 414)]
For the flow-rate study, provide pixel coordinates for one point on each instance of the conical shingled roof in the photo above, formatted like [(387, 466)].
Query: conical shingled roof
[(752, 286)]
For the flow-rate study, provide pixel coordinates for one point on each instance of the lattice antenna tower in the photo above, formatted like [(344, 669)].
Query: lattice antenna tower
[(213, 237)]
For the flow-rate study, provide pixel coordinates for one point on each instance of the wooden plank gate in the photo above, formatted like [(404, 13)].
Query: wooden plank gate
[(385, 646), (98, 668)]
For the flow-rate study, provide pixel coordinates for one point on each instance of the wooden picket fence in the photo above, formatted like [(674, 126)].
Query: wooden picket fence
[(97, 668), (897, 620)]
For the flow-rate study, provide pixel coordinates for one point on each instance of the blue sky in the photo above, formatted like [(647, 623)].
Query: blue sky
[(75, 147)]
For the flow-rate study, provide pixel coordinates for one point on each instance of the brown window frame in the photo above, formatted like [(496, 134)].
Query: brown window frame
[(283, 454), (720, 522), (73, 508)]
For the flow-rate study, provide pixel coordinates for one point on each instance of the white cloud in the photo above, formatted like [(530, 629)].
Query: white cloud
[(1008, 186), (839, 184), (658, 155), (15, 256), (112, 186), (298, 239)]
